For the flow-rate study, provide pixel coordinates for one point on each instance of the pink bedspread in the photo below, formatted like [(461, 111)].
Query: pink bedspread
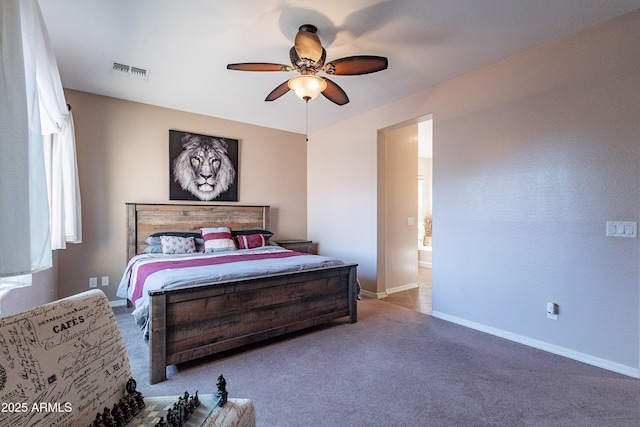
[(146, 270)]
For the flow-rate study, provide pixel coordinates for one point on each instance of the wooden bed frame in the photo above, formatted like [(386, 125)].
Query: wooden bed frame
[(198, 321)]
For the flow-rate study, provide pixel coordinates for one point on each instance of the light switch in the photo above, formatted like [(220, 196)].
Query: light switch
[(622, 229), (411, 221)]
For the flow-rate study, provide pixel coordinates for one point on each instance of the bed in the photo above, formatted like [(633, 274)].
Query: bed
[(207, 315)]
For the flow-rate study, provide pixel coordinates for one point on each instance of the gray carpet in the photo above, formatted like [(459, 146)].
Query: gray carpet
[(397, 367)]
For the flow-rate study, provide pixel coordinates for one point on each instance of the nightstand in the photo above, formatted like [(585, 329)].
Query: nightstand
[(304, 246)]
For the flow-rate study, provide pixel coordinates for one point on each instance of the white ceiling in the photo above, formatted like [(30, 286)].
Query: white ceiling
[(187, 44)]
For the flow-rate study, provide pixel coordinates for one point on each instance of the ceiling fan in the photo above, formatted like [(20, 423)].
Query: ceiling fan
[(308, 58)]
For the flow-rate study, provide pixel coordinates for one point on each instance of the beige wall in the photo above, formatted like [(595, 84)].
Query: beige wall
[(397, 202), (123, 157), (532, 156)]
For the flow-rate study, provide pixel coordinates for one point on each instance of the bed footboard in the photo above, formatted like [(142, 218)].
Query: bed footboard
[(194, 322)]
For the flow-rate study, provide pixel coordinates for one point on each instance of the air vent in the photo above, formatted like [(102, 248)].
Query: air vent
[(130, 71)]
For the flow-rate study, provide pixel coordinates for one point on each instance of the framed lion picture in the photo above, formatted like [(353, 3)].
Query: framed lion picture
[(202, 167)]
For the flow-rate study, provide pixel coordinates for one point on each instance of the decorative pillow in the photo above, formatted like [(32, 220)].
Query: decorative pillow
[(251, 241), (155, 245), (178, 245), (266, 233), (154, 239), (218, 239)]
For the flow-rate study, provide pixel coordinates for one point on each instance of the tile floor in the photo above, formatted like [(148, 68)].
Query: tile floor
[(418, 299)]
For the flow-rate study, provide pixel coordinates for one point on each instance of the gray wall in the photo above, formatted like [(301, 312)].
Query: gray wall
[(532, 155), (546, 152)]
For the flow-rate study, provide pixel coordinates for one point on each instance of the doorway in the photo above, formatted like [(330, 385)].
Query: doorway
[(425, 199), (424, 296), (404, 212)]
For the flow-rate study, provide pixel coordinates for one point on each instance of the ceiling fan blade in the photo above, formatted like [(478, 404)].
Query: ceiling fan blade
[(334, 93), (308, 43), (356, 65), (259, 66), (278, 92)]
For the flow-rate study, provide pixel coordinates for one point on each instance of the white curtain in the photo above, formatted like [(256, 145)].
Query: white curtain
[(32, 104), (63, 187)]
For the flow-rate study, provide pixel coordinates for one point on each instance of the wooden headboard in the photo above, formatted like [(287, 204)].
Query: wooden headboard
[(144, 219)]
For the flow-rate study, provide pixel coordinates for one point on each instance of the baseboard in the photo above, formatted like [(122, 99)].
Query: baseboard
[(380, 295), (374, 295), (402, 288), (118, 303), (424, 264), (541, 345)]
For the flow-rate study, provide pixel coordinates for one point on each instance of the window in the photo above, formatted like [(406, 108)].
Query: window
[(32, 104)]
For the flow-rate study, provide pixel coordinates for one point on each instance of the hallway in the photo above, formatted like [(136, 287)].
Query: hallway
[(417, 299)]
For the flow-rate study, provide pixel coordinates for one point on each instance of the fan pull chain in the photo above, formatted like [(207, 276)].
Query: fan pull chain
[(306, 131)]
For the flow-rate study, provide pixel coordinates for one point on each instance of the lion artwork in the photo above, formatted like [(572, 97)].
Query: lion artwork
[(203, 168)]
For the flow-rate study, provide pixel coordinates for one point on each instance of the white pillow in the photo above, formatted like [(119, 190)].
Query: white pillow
[(178, 245)]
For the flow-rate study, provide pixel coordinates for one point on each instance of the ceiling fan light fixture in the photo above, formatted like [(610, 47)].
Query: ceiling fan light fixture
[(308, 58), (307, 86)]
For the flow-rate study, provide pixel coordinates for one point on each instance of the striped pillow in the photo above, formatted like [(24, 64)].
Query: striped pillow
[(251, 241), (217, 239)]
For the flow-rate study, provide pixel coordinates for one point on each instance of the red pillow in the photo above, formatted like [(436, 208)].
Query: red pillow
[(217, 239), (250, 241)]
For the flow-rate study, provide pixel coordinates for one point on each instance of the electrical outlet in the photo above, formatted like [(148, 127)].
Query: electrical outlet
[(93, 282), (552, 311), (105, 280)]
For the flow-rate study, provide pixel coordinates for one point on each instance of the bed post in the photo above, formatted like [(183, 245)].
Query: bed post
[(265, 217), (353, 294), (132, 232), (157, 339)]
